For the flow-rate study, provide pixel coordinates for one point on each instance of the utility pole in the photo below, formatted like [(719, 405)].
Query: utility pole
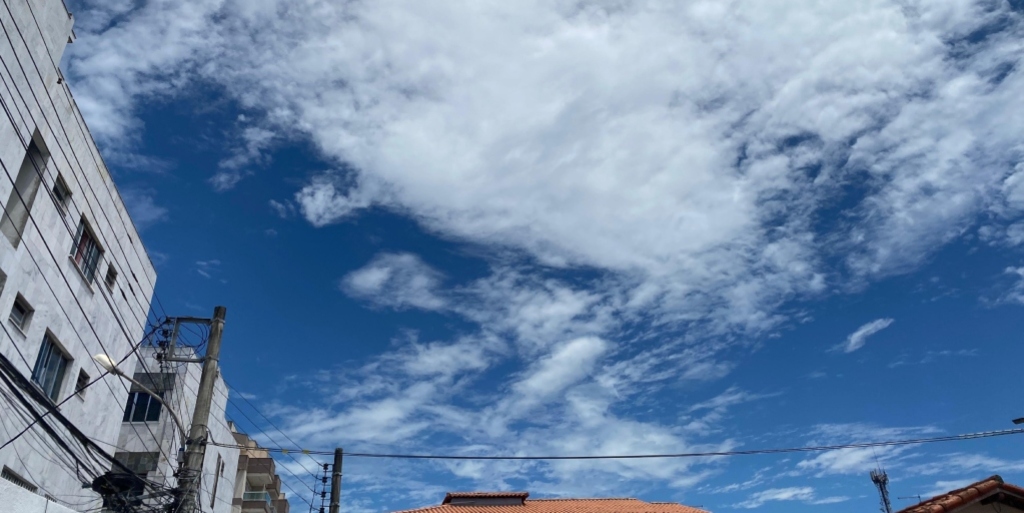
[(191, 472), (336, 482)]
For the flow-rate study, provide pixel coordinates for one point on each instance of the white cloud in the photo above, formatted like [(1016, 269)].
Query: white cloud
[(255, 140), (565, 366), (398, 280), (943, 487), (795, 493), (283, 209), (143, 208), (207, 268), (858, 338), (857, 460), (963, 463), (695, 186), (225, 180), (692, 194)]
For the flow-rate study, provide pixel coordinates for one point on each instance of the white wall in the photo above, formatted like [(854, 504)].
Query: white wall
[(85, 318), (18, 500)]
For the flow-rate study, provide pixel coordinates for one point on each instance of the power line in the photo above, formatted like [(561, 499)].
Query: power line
[(258, 412), (818, 448)]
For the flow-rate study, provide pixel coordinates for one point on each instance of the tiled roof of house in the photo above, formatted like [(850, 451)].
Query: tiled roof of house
[(609, 505), (957, 499)]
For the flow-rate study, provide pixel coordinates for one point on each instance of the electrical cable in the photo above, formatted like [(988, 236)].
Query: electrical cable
[(819, 448), (67, 137), (75, 297), (68, 398), (114, 310), (257, 410)]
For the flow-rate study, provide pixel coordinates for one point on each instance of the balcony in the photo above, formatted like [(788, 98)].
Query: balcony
[(256, 502), (260, 471), (281, 505), (256, 496)]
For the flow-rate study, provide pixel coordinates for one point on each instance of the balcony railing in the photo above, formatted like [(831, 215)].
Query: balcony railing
[(256, 496)]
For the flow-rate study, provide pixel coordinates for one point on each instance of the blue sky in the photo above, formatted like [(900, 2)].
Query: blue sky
[(588, 227)]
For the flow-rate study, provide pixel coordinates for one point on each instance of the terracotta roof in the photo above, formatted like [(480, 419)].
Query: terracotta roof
[(967, 495), (609, 505)]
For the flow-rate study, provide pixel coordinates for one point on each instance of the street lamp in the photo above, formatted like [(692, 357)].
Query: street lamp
[(110, 366)]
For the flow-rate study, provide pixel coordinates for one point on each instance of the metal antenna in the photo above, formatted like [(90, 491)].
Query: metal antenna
[(918, 497), (881, 480)]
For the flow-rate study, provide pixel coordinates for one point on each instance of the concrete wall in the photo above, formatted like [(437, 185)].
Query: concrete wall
[(84, 318), (163, 436), (18, 500)]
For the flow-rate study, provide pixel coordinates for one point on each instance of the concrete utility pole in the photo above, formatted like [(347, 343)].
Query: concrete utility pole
[(190, 473), (336, 482)]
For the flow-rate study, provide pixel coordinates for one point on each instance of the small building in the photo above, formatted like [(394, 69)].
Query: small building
[(150, 441), (990, 495), (257, 485), (519, 502)]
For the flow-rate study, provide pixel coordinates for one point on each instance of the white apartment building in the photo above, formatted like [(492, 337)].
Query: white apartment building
[(150, 439), (75, 279)]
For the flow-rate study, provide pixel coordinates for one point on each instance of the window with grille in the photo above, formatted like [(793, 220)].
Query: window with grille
[(50, 367), (9, 475), (141, 407), (86, 251), (21, 313)]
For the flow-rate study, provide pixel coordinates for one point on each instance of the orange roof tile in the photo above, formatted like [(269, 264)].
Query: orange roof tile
[(969, 494), (597, 505)]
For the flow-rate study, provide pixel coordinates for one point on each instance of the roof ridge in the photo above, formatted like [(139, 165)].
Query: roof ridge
[(993, 482), (590, 499)]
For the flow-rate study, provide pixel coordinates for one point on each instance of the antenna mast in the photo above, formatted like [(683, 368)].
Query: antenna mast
[(881, 480)]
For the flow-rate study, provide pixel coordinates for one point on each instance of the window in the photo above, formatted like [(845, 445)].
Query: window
[(138, 462), (111, 276), (9, 475), (61, 194), (82, 383), (216, 480), (21, 314), (19, 203), (86, 252), (141, 407), (50, 367)]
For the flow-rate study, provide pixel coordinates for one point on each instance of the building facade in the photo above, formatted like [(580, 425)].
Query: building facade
[(75, 279), (150, 441), (257, 485)]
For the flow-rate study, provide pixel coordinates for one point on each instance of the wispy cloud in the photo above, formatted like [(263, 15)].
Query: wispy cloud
[(795, 493), (399, 280), (141, 204), (207, 268), (858, 338)]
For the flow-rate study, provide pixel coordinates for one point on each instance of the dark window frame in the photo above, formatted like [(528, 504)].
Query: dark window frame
[(142, 407), (24, 318), (61, 193), (51, 367), (82, 383), (86, 251)]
